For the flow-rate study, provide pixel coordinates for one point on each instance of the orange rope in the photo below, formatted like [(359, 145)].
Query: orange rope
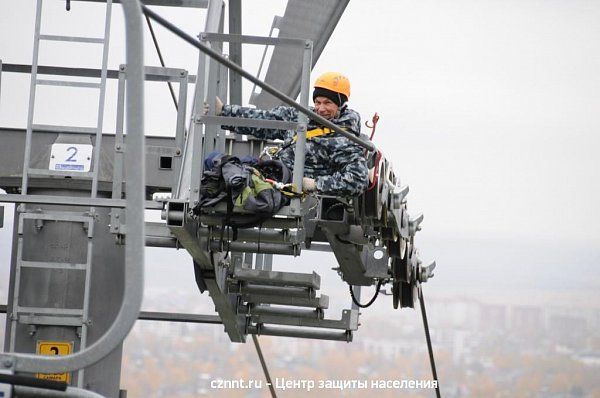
[(376, 171), (373, 126)]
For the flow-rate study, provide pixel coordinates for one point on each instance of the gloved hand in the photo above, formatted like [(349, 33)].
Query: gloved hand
[(308, 184), (218, 107)]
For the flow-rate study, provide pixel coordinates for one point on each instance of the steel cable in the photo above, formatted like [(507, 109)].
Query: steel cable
[(162, 61), (264, 366), (429, 347)]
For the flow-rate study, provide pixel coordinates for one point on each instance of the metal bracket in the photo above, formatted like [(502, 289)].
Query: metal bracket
[(413, 224), (376, 262), (425, 273), (399, 195)]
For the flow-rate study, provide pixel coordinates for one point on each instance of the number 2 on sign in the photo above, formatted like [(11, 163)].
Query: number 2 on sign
[(72, 157)]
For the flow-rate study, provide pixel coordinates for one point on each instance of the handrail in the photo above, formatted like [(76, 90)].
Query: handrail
[(265, 86), (134, 248)]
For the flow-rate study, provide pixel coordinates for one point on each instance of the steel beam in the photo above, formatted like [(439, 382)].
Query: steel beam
[(179, 317), (235, 51), (74, 201), (155, 74), (236, 121), (278, 278), (321, 302), (300, 332), (248, 39), (152, 316), (349, 320), (258, 310), (288, 291), (164, 3), (254, 235), (255, 247)]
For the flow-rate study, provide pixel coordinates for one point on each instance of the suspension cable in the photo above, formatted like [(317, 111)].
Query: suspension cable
[(429, 347), (162, 61), (264, 366)]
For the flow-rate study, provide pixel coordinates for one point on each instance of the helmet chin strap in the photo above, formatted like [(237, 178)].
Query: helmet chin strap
[(341, 109)]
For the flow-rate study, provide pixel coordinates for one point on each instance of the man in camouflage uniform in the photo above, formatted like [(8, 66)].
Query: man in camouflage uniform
[(334, 165)]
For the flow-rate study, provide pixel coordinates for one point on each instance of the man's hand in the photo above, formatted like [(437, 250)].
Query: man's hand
[(218, 107), (308, 184)]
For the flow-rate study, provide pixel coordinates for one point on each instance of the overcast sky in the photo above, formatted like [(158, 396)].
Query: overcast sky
[(489, 112)]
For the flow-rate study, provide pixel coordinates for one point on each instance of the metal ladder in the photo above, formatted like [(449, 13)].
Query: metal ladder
[(101, 86), (78, 317)]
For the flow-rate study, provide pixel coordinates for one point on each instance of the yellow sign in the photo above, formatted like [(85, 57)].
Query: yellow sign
[(54, 348)]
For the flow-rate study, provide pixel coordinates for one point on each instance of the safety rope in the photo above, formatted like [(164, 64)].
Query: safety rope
[(373, 126), (376, 171), (429, 347), (355, 301)]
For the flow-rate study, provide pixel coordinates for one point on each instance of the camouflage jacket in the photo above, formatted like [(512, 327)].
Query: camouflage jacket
[(337, 164)]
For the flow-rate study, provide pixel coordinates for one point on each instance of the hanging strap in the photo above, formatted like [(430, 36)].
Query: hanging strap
[(227, 222)]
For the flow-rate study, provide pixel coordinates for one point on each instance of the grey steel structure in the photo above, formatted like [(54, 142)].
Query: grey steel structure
[(102, 211)]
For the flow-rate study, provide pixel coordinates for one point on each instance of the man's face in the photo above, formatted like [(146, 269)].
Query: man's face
[(326, 108)]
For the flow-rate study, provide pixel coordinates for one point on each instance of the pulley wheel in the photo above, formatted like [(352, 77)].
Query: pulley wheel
[(408, 294), (396, 248)]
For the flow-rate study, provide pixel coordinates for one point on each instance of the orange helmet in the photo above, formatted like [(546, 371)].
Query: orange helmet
[(335, 82)]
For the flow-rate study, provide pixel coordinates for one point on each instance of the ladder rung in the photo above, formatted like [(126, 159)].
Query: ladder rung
[(64, 129), (64, 83), (51, 320), (72, 200), (307, 333), (78, 39), (349, 320), (317, 302), (60, 173), (288, 291), (266, 310), (278, 278), (47, 265), (50, 311)]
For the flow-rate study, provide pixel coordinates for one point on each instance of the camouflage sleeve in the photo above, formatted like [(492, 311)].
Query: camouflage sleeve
[(284, 113), (350, 177)]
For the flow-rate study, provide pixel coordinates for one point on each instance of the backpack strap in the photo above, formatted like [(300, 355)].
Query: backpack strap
[(227, 221)]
